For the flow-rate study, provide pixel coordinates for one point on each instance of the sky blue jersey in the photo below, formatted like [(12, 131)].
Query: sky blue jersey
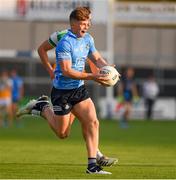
[(76, 50), (17, 83)]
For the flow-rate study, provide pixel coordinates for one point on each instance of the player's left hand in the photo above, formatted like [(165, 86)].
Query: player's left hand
[(113, 65), (100, 77)]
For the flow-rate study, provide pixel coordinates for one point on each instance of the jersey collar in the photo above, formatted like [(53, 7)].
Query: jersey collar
[(71, 33)]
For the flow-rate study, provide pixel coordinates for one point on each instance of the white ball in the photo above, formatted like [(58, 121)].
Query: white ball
[(112, 73)]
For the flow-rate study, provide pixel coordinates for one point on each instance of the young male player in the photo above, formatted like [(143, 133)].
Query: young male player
[(42, 50), (69, 94)]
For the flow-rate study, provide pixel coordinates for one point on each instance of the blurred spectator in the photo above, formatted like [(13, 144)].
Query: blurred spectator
[(17, 91), (5, 98), (127, 93), (150, 93)]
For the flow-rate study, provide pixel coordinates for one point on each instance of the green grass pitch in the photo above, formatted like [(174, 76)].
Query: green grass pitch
[(145, 150)]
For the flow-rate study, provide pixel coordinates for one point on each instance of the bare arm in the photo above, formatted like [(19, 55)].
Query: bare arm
[(42, 51), (69, 72), (120, 89), (134, 90), (21, 92), (94, 69), (97, 59)]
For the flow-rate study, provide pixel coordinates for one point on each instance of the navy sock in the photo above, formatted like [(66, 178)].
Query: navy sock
[(91, 162)]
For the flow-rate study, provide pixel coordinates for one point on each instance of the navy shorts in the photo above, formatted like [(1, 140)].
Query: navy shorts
[(64, 100), (15, 99), (128, 96)]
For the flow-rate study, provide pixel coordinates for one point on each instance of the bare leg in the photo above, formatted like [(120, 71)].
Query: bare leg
[(128, 111), (1, 116), (59, 124), (9, 114), (71, 119), (62, 130), (14, 110), (85, 111)]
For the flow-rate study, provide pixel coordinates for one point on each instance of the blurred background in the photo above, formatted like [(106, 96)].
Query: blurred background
[(136, 34)]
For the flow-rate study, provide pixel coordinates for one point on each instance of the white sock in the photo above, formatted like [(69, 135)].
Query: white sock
[(36, 112), (99, 154)]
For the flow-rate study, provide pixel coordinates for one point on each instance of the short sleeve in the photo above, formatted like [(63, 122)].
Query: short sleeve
[(91, 45), (20, 82), (53, 39), (63, 50)]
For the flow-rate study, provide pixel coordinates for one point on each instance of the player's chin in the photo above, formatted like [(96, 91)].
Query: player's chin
[(82, 33)]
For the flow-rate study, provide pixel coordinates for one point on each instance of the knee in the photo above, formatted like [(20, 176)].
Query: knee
[(94, 123), (62, 135)]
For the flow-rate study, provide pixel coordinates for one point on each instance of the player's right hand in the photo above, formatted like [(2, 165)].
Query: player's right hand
[(100, 77)]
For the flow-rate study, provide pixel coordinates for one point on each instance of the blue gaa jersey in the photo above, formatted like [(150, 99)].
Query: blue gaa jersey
[(76, 50), (17, 83)]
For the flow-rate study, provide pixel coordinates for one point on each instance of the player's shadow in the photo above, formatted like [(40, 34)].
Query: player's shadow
[(80, 164), (42, 164)]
